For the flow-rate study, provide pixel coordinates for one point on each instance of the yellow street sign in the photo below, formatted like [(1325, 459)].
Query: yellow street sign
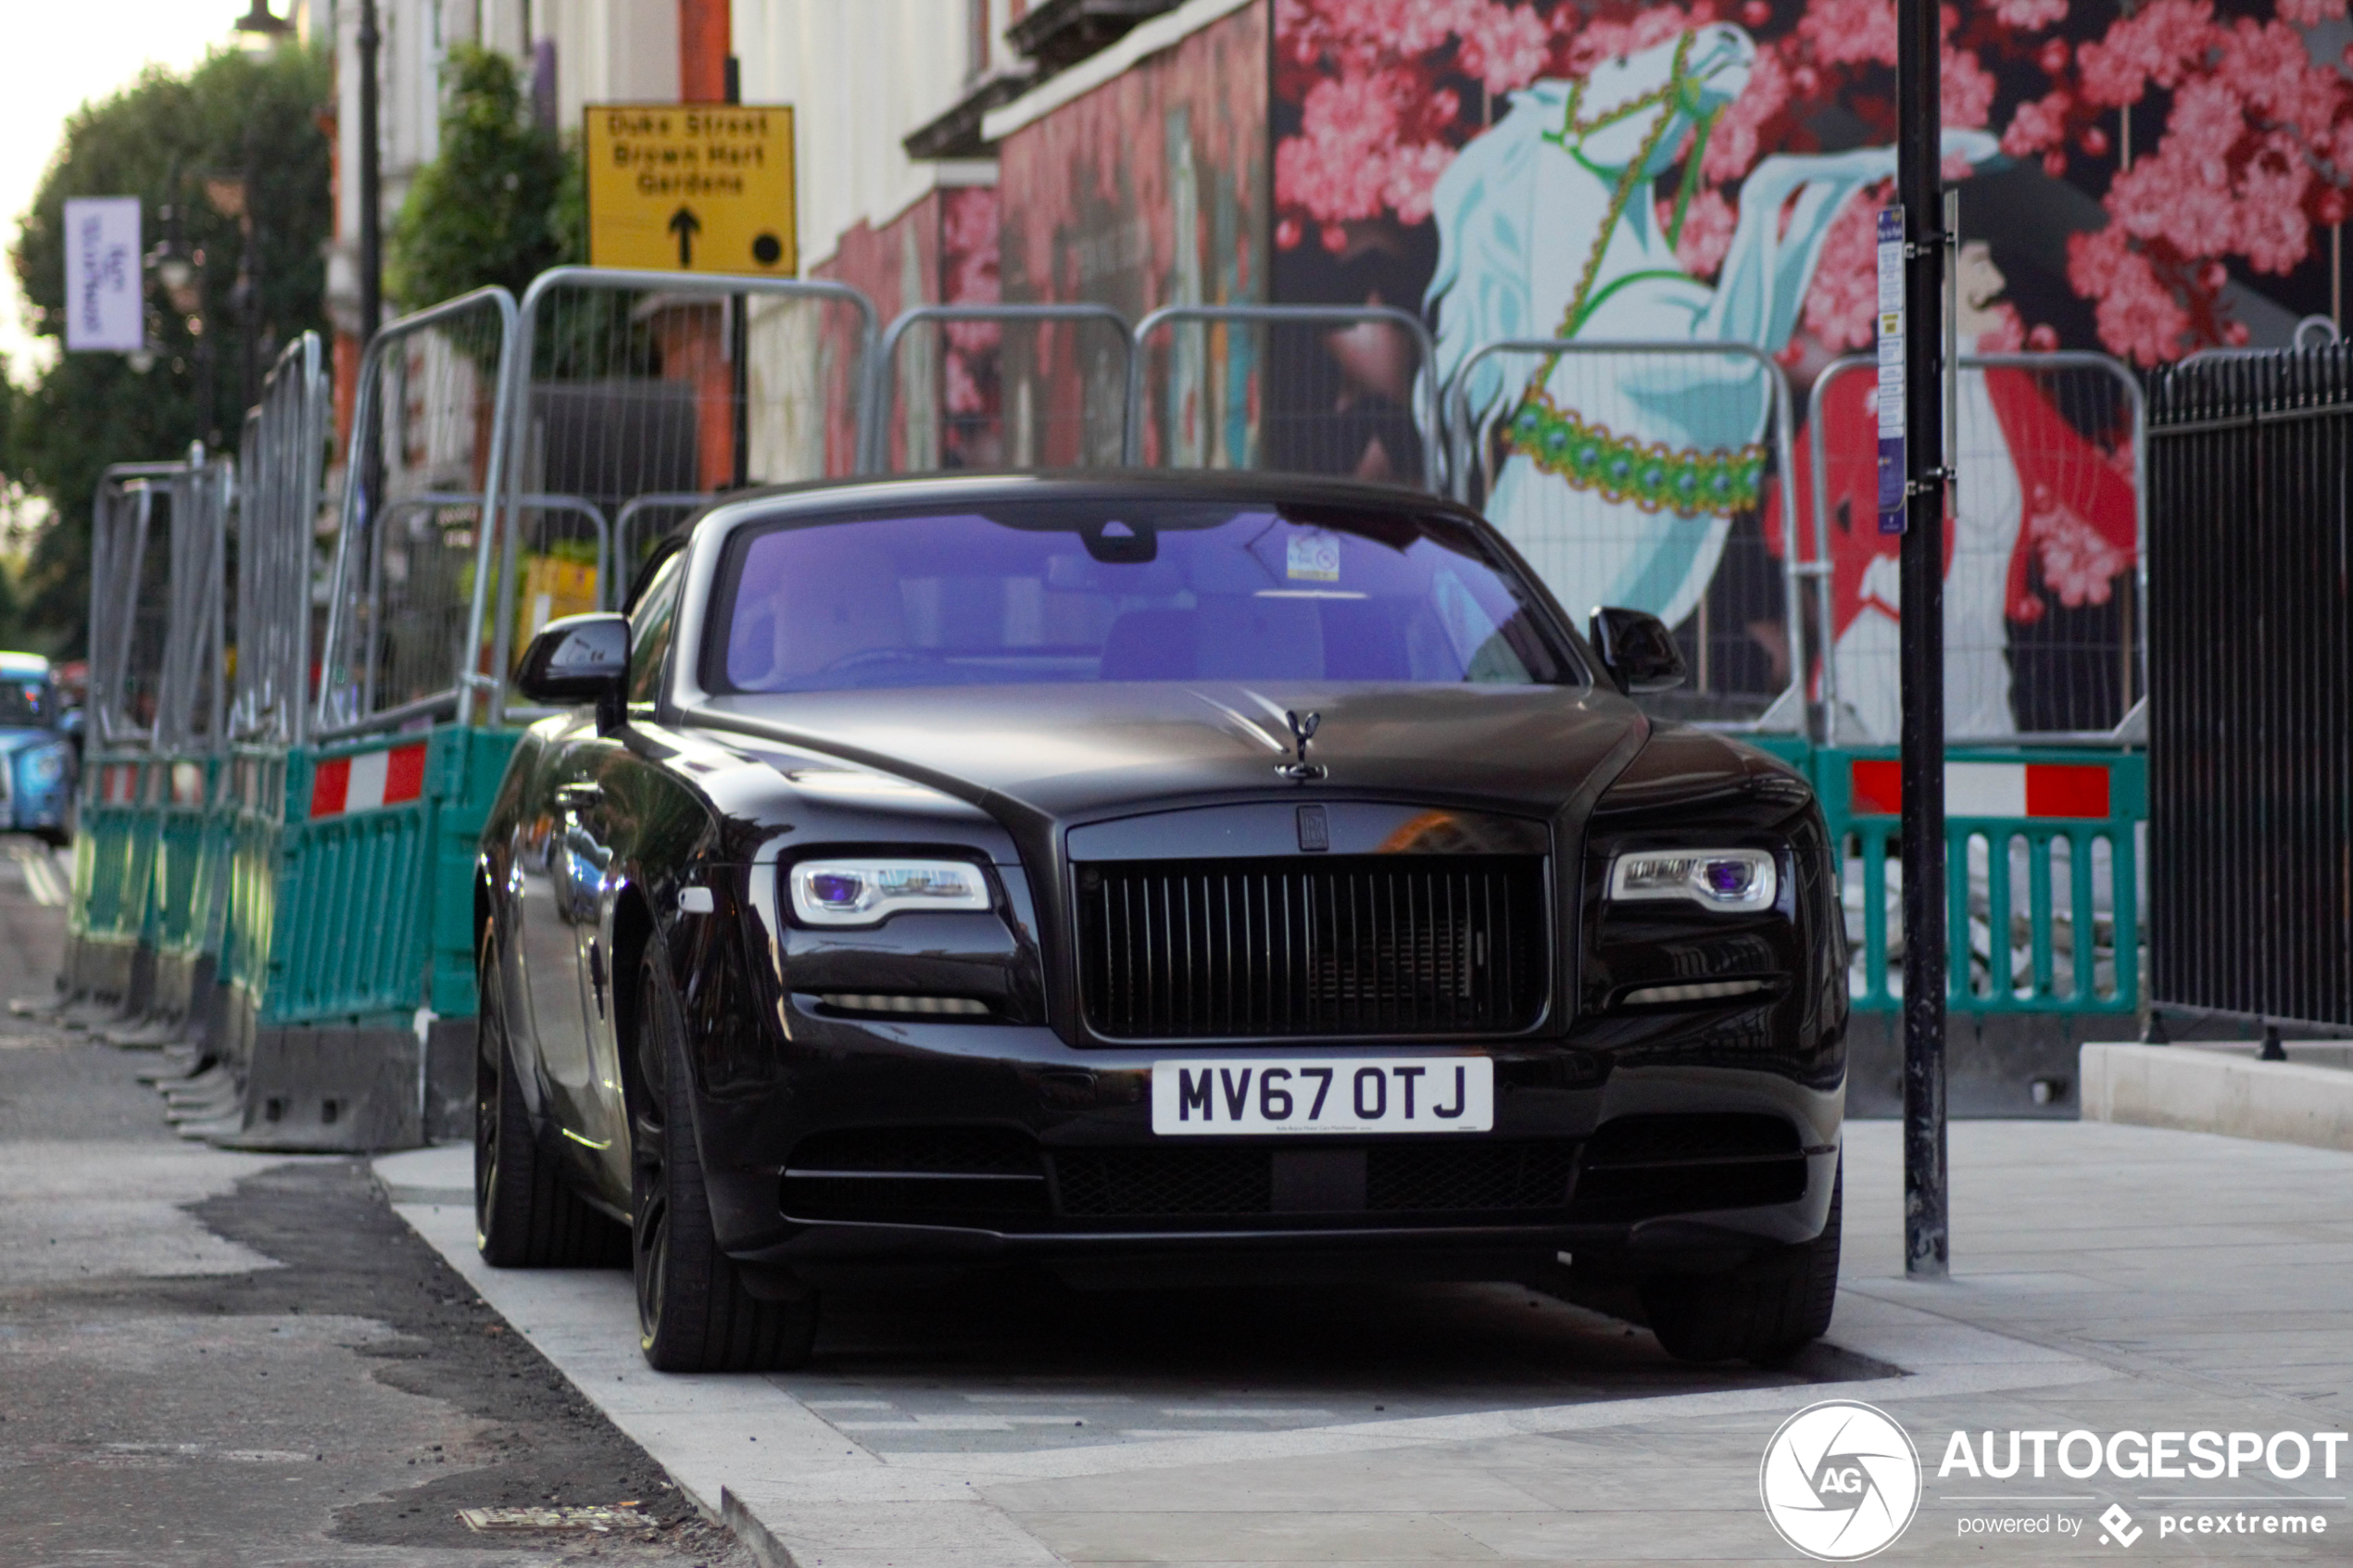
[(691, 188)]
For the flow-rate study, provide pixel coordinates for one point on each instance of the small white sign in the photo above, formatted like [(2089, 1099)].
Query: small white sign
[(104, 304), (1891, 324), (1313, 557), (1893, 472)]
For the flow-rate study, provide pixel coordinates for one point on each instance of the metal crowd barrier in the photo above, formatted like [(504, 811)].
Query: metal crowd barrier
[(2053, 459), (948, 421), (627, 389), (402, 614), (2047, 847), (1663, 515), (347, 956), (189, 736), (143, 851), (230, 907), (96, 979), (1341, 390), (332, 821)]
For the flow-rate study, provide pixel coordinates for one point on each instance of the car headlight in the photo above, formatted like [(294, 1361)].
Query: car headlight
[(861, 892), (47, 766), (1714, 879)]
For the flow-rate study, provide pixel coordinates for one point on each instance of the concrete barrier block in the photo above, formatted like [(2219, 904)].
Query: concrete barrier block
[(2227, 1091), (449, 1080), (2005, 1065), (331, 1090), (102, 967)]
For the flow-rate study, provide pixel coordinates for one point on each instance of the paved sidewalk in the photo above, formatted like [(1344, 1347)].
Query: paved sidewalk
[(2108, 1278)]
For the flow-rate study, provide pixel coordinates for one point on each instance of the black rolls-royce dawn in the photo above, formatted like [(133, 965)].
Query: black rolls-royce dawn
[(1148, 879)]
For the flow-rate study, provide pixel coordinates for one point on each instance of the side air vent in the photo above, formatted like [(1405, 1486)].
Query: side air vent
[(1638, 1167), (916, 1176)]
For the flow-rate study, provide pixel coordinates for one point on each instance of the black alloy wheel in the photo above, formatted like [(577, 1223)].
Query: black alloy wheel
[(525, 1216), (695, 1311), (1764, 1311)]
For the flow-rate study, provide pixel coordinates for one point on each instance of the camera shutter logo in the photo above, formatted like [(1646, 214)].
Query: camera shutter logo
[(1840, 1480)]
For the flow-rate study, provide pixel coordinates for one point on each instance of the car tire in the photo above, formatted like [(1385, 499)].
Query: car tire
[(1764, 1310), (695, 1311), (525, 1216)]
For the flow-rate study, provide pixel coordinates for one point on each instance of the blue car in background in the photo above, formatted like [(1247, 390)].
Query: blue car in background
[(38, 763)]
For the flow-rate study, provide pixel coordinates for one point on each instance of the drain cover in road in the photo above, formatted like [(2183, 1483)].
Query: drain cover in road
[(596, 1521)]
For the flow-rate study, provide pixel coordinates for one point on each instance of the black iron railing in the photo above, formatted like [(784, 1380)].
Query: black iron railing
[(2251, 686)]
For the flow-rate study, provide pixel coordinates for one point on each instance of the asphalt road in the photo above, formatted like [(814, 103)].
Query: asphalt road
[(209, 1358)]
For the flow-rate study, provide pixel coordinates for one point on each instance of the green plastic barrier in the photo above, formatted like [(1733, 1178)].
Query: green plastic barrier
[(188, 893), (353, 876), (113, 858), (2043, 873), (348, 940), (256, 808), (348, 935)]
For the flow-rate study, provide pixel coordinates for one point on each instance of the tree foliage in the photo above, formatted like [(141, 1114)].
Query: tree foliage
[(168, 140), (486, 209)]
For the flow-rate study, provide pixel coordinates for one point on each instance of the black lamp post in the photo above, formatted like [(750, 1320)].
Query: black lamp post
[(259, 19), (257, 22), (1920, 190), (370, 179)]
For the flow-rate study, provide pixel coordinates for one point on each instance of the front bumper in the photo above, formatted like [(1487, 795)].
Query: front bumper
[(1641, 1147)]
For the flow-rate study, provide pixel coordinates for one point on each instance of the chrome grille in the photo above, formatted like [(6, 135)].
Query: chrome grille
[(1346, 946)]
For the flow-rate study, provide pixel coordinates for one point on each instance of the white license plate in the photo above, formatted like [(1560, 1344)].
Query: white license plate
[(1323, 1094)]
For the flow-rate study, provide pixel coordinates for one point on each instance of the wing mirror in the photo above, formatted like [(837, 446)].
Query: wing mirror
[(578, 659), (1636, 647)]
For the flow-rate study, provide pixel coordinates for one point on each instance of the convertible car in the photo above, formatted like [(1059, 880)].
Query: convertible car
[(1149, 880)]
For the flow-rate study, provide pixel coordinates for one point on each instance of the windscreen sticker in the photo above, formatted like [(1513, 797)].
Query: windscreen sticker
[(1313, 557)]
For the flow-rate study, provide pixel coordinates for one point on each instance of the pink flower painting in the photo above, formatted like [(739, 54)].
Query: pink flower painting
[(2216, 139)]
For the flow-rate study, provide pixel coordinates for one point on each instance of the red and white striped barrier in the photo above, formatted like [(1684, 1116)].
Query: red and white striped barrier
[(119, 783), (369, 782), (1987, 789)]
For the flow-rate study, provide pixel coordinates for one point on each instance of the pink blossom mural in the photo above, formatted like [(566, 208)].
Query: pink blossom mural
[(2153, 177), (2241, 116)]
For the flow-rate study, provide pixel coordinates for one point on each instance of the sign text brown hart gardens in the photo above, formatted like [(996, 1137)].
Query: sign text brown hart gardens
[(692, 188)]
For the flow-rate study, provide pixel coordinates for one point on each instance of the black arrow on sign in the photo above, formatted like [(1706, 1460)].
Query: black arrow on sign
[(685, 225)]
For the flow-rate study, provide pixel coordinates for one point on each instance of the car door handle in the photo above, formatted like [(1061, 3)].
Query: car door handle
[(578, 795)]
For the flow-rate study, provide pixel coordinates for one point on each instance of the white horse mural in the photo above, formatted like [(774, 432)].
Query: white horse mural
[(1624, 472)]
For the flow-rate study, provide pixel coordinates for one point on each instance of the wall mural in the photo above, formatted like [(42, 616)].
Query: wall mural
[(1711, 173)]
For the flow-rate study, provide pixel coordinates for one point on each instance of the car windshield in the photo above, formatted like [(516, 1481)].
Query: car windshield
[(1120, 590), (27, 704)]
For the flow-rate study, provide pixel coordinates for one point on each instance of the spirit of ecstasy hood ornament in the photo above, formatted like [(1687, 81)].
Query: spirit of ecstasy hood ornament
[(1302, 730)]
